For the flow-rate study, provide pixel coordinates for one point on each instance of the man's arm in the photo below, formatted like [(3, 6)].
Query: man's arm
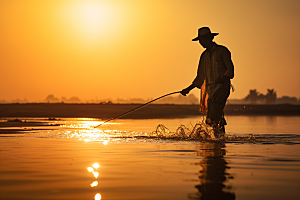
[(185, 91), (229, 73), (228, 63)]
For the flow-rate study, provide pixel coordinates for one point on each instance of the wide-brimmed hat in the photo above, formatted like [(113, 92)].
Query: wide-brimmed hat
[(203, 32)]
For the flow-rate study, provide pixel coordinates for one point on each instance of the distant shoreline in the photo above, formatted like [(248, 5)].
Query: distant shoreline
[(152, 111)]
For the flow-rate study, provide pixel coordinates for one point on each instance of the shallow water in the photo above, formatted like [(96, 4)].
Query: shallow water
[(53, 164)]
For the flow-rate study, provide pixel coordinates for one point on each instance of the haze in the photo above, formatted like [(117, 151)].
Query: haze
[(142, 49)]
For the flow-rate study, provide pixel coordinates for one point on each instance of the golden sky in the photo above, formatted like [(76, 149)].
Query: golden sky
[(142, 48)]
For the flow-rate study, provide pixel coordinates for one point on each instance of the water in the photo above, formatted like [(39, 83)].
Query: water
[(52, 162)]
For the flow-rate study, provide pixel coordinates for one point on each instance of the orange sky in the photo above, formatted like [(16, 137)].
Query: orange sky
[(142, 48)]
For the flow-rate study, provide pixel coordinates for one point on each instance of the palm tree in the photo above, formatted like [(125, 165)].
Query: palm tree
[(271, 96), (253, 96)]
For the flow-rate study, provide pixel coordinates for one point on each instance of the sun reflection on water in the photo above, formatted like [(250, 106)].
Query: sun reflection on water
[(96, 174), (105, 142), (90, 169), (93, 169), (94, 184), (97, 196), (84, 129), (96, 135), (83, 123), (96, 165)]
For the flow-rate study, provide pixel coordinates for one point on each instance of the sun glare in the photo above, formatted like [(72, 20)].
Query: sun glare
[(93, 17), (91, 20)]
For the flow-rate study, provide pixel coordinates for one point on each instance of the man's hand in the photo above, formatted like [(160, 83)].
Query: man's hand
[(222, 79), (185, 91)]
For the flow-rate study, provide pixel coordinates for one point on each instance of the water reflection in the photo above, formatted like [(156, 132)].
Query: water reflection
[(81, 123), (96, 174), (94, 184), (96, 165), (93, 169), (97, 196), (214, 173)]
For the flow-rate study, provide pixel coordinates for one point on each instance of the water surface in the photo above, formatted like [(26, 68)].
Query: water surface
[(54, 163)]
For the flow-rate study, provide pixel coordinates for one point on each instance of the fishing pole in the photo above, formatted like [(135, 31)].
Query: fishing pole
[(136, 108)]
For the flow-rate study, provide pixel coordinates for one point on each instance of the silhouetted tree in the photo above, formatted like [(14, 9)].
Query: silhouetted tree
[(74, 100), (271, 96), (253, 96), (52, 99), (287, 99)]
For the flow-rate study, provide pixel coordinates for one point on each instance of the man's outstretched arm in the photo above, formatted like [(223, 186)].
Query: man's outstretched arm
[(185, 91)]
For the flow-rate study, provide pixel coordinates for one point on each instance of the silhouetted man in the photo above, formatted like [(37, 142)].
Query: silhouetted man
[(215, 70)]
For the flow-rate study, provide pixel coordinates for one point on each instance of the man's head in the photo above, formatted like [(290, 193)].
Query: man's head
[(205, 36)]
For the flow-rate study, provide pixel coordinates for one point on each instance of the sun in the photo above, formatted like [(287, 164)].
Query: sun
[(91, 19)]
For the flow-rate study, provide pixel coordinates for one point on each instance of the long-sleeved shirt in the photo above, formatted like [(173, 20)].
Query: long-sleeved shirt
[(211, 66)]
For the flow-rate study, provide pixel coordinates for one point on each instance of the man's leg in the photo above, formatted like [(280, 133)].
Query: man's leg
[(216, 104), (222, 124)]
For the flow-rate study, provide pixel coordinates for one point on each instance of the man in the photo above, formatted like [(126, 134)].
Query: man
[(215, 70)]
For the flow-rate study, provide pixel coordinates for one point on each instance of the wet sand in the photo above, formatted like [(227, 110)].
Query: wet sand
[(152, 111)]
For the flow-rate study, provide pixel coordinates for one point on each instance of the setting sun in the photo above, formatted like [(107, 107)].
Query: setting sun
[(90, 20)]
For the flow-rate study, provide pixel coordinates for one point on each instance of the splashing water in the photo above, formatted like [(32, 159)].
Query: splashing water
[(203, 132), (200, 131)]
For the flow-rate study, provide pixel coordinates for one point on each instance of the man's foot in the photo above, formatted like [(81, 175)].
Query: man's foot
[(223, 129), (219, 132), (217, 126), (211, 122), (222, 125)]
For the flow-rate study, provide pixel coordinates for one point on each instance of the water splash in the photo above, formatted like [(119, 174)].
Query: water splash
[(203, 132), (199, 131)]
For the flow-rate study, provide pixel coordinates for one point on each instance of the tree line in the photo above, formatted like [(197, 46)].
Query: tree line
[(269, 98)]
